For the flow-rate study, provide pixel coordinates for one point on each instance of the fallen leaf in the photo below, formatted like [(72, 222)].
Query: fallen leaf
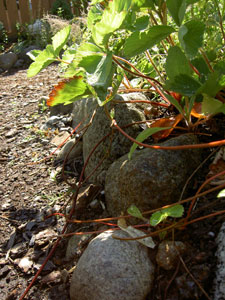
[(165, 122)]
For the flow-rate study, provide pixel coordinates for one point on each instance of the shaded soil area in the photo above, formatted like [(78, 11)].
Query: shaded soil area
[(29, 191)]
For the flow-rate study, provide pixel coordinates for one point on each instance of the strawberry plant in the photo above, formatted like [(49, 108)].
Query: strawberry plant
[(165, 42)]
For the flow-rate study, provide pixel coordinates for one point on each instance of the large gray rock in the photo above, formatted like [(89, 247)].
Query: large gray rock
[(219, 282), (115, 146), (152, 178), (111, 269), (7, 60)]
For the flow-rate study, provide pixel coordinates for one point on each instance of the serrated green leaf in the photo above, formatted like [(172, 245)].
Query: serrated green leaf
[(112, 19), (135, 212), (143, 136), (94, 15), (191, 37), (45, 58), (68, 90), (221, 194), (60, 39), (183, 84), (177, 10), (139, 42), (177, 63)]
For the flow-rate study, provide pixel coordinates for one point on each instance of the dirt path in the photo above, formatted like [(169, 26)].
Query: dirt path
[(26, 190)]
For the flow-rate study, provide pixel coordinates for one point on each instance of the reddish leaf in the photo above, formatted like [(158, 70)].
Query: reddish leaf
[(165, 122), (67, 90), (197, 111), (176, 96)]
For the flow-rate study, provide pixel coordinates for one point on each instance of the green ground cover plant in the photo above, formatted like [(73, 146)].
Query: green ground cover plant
[(168, 40)]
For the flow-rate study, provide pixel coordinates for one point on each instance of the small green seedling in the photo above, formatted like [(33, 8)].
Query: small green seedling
[(135, 212), (175, 211), (159, 216)]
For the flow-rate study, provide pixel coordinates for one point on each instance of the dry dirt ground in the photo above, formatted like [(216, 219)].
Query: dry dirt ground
[(28, 192)]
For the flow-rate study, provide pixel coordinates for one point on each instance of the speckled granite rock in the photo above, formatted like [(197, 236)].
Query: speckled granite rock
[(126, 113), (7, 60), (219, 283), (152, 178), (110, 269)]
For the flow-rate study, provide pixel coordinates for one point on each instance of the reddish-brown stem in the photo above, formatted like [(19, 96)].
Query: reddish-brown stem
[(206, 60), (177, 225), (149, 211), (195, 146), (200, 188), (142, 101), (139, 74)]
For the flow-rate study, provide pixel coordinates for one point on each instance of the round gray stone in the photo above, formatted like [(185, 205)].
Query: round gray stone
[(110, 269), (152, 178)]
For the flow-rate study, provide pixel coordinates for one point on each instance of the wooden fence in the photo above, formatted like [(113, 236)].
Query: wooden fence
[(24, 11)]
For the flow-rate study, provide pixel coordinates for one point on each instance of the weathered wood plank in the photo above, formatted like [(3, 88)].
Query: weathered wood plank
[(3, 15), (13, 15), (25, 11)]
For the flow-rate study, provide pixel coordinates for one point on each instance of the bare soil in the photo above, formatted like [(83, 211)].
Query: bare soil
[(28, 193)]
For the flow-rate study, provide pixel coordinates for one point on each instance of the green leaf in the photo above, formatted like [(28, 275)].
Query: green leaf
[(143, 4), (116, 82), (177, 10), (69, 55), (183, 84), (94, 15), (33, 54), (175, 103), (100, 76), (177, 63), (60, 39), (68, 90), (45, 58), (191, 1), (213, 84), (157, 218), (89, 56), (200, 64), (112, 19), (175, 211), (211, 106), (135, 212), (191, 37), (139, 42), (221, 194), (141, 23), (143, 136)]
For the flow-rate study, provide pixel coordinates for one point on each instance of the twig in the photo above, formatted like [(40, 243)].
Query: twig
[(196, 282), (195, 171)]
